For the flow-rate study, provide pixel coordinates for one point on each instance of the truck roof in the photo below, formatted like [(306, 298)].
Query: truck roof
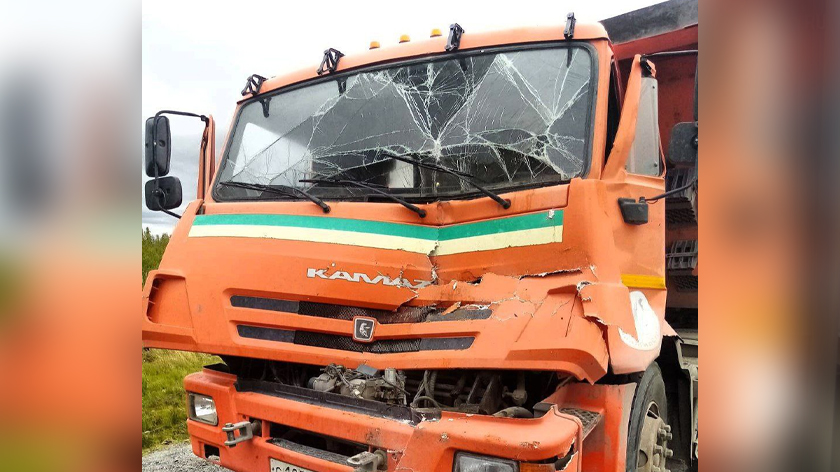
[(435, 46)]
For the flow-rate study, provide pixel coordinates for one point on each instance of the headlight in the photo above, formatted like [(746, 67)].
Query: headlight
[(472, 463), (203, 409)]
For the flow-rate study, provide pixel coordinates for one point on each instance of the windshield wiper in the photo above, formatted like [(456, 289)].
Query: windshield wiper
[(280, 190), (440, 168), (353, 183)]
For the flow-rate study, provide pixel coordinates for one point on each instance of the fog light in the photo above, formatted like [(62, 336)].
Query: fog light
[(471, 463), (203, 409)]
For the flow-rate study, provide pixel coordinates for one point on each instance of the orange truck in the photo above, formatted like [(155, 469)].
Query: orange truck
[(473, 252)]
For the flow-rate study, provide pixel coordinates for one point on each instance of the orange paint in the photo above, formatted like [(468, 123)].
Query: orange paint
[(560, 306)]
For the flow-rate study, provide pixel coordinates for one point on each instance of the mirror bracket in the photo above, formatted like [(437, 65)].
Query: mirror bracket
[(253, 84), (453, 42), (329, 63), (569, 30), (633, 212)]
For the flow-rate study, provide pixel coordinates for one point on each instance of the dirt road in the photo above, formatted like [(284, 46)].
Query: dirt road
[(177, 458)]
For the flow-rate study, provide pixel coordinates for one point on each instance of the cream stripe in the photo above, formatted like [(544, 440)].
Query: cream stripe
[(291, 233), (488, 242)]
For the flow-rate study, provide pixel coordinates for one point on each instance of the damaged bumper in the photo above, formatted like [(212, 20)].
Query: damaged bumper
[(319, 437)]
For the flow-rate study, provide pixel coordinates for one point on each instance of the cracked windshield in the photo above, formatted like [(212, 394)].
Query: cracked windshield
[(501, 121)]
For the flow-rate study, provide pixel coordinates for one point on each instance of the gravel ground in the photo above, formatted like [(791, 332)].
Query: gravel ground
[(177, 458)]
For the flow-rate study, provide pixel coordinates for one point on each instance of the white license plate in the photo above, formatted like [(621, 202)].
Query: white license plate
[(280, 466)]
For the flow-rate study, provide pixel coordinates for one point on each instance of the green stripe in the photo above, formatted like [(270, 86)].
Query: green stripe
[(501, 225), (320, 222), (431, 233)]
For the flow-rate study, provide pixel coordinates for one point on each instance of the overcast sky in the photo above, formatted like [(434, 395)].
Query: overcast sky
[(197, 54)]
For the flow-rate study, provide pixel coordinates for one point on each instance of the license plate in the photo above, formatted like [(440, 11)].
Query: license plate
[(280, 466)]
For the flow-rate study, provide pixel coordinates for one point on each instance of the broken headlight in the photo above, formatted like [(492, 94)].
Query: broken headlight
[(203, 409), (474, 463)]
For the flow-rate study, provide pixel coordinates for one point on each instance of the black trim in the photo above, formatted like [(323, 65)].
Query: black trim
[(266, 334), (460, 315), (446, 344), (328, 456), (260, 303), (346, 343), (650, 21), (595, 69), (336, 401), (406, 314)]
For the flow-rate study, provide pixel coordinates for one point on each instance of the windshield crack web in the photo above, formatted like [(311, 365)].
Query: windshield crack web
[(508, 118)]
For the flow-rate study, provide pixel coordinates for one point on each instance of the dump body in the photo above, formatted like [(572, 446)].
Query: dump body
[(545, 297)]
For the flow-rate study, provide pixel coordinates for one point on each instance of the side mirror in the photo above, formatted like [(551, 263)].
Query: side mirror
[(158, 149), (163, 194)]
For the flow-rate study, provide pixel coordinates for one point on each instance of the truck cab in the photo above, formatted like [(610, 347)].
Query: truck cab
[(441, 255)]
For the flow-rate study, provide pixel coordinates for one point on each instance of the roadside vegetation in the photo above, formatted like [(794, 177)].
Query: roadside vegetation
[(164, 399), (153, 247)]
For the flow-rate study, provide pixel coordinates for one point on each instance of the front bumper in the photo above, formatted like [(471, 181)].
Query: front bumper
[(427, 446)]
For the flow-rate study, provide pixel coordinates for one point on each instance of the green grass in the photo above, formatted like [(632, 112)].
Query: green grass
[(164, 399)]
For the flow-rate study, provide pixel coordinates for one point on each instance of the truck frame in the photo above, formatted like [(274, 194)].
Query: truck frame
[(474, 252)]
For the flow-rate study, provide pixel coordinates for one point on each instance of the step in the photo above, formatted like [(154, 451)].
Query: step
[(681, 265), (589, 419), (681, 208)]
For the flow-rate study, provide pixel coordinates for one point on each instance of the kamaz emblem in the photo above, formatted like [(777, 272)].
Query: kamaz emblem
[(362, 277), (363, 329)]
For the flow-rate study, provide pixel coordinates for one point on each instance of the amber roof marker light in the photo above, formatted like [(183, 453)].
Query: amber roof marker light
[(374, 45), (435, 33), (405, 38)]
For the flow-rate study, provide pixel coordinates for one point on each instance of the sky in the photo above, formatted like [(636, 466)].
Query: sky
[(197, 54)]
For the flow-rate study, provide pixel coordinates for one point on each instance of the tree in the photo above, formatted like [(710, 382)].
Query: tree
[(152, 247)]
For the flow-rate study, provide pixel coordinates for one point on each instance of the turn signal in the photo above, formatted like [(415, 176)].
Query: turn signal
[(526, 467)]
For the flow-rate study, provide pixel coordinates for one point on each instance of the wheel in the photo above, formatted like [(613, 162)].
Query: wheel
[(649, 432)]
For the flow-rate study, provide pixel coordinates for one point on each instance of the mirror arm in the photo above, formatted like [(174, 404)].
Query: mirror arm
[(170, 213), (182, 113), (174, 112), (161, 198), (686, 52)]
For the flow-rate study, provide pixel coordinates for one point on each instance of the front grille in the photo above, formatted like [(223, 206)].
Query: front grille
[(405, 314), (346, 343)]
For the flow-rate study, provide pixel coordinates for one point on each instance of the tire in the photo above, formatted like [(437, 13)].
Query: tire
[(650, 394)]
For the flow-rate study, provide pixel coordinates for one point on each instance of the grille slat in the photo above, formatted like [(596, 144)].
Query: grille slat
[(346, 343)]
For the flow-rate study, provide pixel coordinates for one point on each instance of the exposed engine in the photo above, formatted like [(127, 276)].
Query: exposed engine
[(364, 382), (486, 392)]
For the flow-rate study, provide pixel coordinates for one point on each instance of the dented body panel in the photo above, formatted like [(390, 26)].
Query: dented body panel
[(428, 445), (569, 281)]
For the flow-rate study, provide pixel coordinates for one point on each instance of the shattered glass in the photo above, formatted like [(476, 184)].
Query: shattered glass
[(508, 119)]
